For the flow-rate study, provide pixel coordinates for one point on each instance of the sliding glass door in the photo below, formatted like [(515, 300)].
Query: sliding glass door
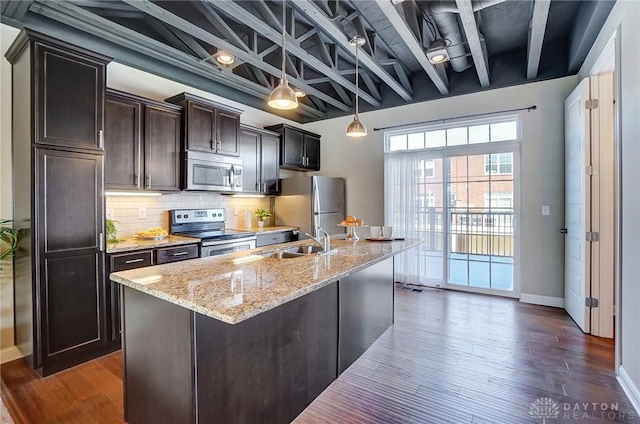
[(480, 230), (455, 188)]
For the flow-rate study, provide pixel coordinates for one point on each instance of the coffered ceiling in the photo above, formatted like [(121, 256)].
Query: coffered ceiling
[(492, 43)]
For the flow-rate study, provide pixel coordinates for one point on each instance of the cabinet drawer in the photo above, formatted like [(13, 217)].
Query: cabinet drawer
[(177, 253), (275, 238), (132, 260)]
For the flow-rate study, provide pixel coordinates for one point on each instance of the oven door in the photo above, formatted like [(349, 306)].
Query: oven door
[(209, 172), (214, 248)]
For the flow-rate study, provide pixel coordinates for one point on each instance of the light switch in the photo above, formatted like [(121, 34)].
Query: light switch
[(142, 213), (110, 214), (545, 210)]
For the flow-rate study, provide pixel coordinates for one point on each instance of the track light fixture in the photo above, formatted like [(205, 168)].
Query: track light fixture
[(437, 51)]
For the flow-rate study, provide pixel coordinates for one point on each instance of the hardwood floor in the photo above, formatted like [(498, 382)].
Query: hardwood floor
[(449, 358)]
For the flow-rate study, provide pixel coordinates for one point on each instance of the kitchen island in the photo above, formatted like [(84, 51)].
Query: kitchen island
[(246, 337)]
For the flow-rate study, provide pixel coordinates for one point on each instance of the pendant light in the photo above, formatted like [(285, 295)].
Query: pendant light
[(356, 128), (283, 97)]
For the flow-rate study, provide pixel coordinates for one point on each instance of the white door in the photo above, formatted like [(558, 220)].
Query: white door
[(577, 200)]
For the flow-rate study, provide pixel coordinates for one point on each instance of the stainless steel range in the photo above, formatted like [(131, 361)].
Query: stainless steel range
[(208, 225)]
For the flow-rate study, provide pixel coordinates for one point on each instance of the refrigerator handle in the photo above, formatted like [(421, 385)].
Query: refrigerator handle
[(316, 200)]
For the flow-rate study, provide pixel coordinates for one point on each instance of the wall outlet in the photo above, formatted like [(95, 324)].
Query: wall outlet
[(545, 210), (142, 213), (110, 214), (236, 211)]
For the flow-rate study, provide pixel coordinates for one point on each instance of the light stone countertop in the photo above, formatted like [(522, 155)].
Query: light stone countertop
[(237, 286), (133, 244), (267, 230)]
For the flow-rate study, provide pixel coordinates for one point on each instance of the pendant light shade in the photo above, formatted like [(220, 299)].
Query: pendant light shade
[(356, 128), (283, 97)]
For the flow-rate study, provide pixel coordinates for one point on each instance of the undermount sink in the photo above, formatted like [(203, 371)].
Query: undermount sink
[(295, 252)]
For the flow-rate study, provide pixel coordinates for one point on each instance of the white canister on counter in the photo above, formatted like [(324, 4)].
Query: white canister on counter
[(248, 216)]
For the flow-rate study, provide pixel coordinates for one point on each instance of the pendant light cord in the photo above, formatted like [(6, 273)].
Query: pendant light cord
[(357, 79), (284, 39)]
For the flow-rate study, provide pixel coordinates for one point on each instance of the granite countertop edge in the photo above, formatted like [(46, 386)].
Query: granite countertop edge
[(266, 306), (133, 244)]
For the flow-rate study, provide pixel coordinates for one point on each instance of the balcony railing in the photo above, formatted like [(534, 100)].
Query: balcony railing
[(474, 232)]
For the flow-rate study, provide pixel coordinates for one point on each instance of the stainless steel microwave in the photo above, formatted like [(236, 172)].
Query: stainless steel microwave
[(211, 172)]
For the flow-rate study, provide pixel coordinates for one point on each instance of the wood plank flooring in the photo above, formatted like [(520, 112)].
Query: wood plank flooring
[(449, 358)]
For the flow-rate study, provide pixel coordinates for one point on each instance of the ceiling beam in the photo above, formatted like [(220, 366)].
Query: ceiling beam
[(105, 29), (248, 57), (400, 25), (311, 12), (293, 46), (536, 36), (465, 8), (220, 25)]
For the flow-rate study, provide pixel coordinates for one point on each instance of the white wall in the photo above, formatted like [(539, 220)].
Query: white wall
[(626, 13), (361, 161), (7, 35)]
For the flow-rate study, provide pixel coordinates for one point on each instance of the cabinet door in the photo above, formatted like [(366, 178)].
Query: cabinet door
[(69, 99), (122, 136), (69, 226), (292, 148), (312, 152), (227, 133), (270, 169), (249, 149), (162, 149), (201, 127)]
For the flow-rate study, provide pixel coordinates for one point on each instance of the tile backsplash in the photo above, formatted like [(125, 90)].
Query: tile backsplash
[(126, 210)]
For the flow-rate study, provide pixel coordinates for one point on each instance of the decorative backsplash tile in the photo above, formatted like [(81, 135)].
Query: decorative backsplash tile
[(126, 209)]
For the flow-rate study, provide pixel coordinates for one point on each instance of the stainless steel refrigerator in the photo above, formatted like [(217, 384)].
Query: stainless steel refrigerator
[(312, 202)]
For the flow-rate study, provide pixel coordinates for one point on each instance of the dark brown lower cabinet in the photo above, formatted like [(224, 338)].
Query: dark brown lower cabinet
[(366, 310), (266, 369), (61, 300)]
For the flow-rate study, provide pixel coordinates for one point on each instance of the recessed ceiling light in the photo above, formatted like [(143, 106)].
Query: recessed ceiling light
[(224, 58)]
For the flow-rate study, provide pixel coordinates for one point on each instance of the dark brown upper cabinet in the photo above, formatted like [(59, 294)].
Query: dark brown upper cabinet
[(299, 149), (208, 126), (259, 151), (142, 143), (70, 97)]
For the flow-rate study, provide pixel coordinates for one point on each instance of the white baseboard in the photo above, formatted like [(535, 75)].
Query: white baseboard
[(632, 391), (556, 302), (9, 354)]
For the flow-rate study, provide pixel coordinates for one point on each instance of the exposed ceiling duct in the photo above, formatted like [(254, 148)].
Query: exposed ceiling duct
[(443, 15)]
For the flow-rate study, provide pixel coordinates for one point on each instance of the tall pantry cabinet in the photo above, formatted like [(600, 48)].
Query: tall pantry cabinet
[(58, 161)]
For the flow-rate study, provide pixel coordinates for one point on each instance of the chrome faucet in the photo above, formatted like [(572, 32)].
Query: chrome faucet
[(325, 243)]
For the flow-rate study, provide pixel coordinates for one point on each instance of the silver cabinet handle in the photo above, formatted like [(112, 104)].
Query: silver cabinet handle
[(264, 187), (101, 242), (101, 139), (133, 261), (180, 253), (148, 181), (136, 180)]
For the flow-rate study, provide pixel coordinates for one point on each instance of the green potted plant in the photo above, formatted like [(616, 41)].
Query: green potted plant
[(8, 240), (112, 231), (262, 214)]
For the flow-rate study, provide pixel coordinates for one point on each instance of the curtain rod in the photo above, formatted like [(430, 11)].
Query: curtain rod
[(444, 120)]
